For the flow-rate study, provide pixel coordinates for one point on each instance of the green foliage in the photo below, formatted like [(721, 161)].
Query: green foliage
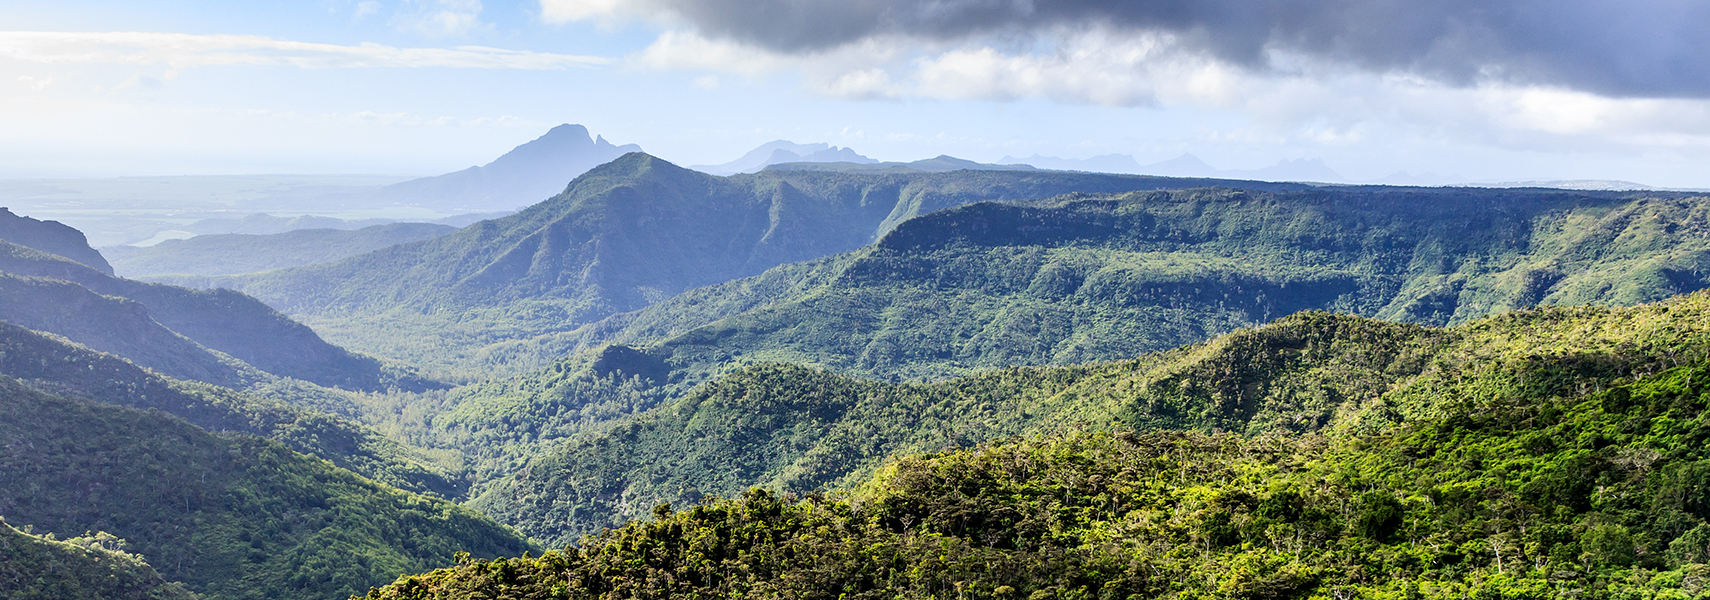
[(117, 326), (224, 321), (230, 517), (57, 367), (88, 567), (791, 428), (621, 237), (235, 254), (1594, 494), (1082, 279)]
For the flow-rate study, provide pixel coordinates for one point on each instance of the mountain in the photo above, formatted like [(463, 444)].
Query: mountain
[(946, 310), (1082, 279), (55, 366), (130, 317), (1549, 453), (51, 237), (116, 326), (621, 237), (228, 516), (781, 151), (233, 254), (86, 567), (527, 174)]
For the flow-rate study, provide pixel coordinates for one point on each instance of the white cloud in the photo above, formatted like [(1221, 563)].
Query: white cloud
[(564, 11), (180, 50), (366, 7), (685, 51), (1310, 103)]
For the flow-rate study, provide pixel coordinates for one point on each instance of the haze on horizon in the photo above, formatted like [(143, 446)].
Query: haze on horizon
[(1512, 90)]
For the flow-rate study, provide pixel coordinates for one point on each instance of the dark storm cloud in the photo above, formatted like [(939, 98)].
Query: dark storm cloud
[(1636, 48)]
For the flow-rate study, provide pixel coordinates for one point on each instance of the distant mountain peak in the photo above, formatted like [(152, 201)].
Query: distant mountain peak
[(779, 152), (528, 174)]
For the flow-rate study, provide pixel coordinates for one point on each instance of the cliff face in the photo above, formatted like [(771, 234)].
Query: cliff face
[(51, 237)]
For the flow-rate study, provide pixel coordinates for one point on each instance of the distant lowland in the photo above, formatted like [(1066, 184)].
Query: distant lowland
[(583, 371)]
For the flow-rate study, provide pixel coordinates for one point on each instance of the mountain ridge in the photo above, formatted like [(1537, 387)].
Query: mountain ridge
[(525, 175), (622, 236)]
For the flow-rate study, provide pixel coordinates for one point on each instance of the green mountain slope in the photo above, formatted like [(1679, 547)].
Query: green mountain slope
[(232, 254), (117, 326), (792, 428), (230, 517), (621, 237), (53, 238), (89, 567), (1548, 453), (222, 320), (57, 367), (1085, 279)]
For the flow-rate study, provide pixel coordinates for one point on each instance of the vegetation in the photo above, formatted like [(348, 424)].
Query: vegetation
[(88, 567), (117, 326), (57, 367), (789, 428), (230, 517), (1548, 453), (1075, 280), (623, 236), (1067, 397), (233, 254), (221, 320)]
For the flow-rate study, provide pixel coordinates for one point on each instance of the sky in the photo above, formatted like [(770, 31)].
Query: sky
[(1466, 90)]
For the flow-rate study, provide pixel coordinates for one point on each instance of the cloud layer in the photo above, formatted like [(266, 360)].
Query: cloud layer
[(1651, 48), (179, 50)]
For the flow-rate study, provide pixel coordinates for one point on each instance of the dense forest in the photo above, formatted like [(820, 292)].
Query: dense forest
[(232, 516), (1548, 453), (888, 383), (1081, 279), (87, 567)]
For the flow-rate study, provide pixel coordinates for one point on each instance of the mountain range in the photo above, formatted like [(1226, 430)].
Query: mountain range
[(858, 379), (621, 237), (782, 151)]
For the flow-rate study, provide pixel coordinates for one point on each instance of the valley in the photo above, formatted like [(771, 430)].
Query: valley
[(865, 379)]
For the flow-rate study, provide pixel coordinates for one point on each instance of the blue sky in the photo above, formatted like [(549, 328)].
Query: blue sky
[(1540, 90)]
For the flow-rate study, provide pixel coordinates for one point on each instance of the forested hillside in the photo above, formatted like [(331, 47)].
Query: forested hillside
[(1555, 452), (793, 428), (1084, 279), (230, 517), (234, 253), (222, 320), (85, 567), (621, 237), (54, 366), (117, 326)]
